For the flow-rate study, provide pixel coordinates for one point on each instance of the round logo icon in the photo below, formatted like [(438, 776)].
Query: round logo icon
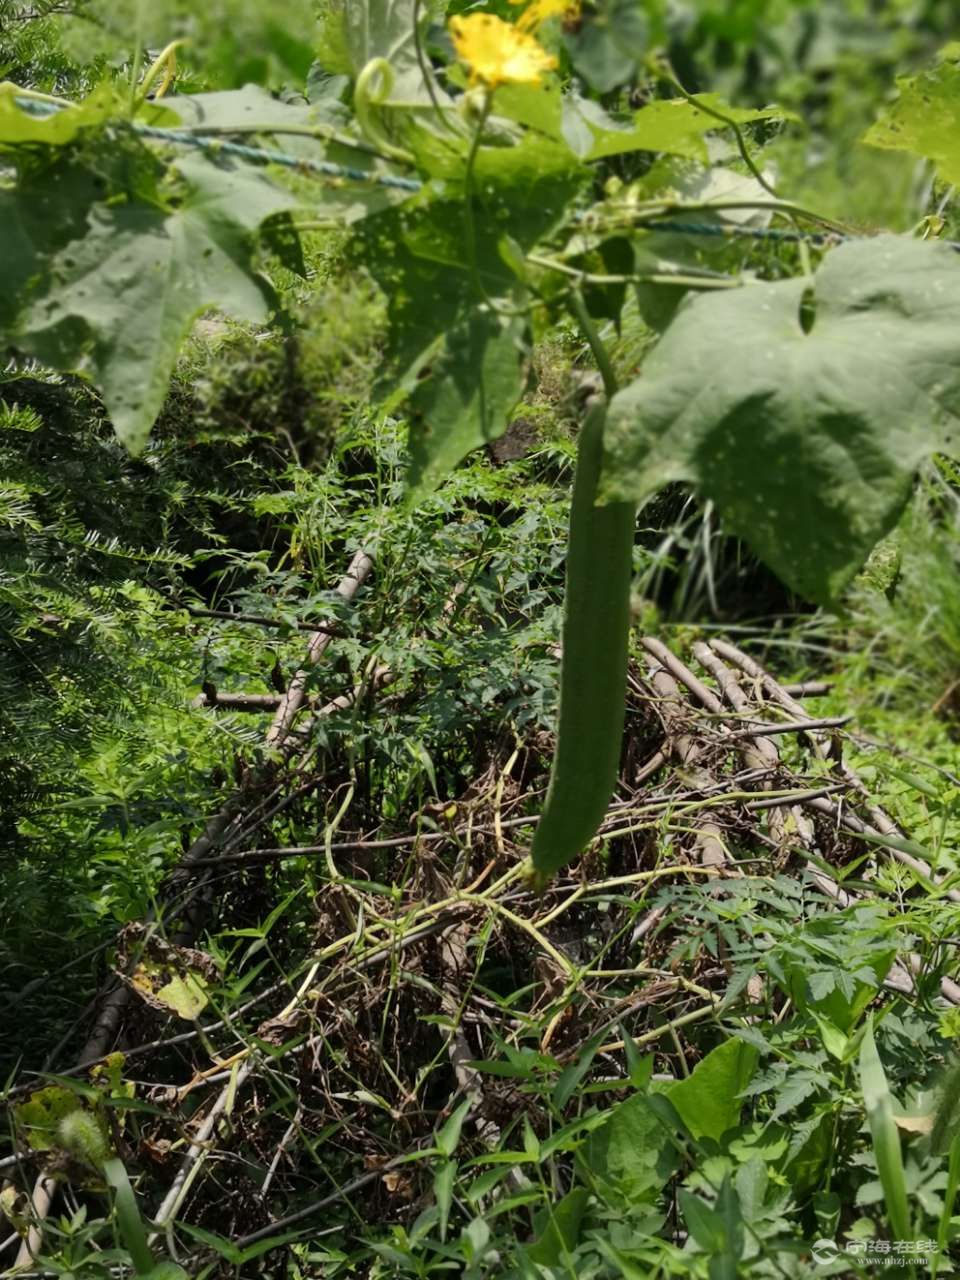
[(824, 1251)]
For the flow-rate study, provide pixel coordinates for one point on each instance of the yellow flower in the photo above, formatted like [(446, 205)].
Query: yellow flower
[(539, 11), (496, 52)]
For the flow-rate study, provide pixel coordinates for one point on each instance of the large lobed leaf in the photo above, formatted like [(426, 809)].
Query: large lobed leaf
[(251, 110), (925, 118), (804, 416), (20, 124), (385, 29), (109, 288), (673, 126), (473, 387), (287, 126), (457, 349)]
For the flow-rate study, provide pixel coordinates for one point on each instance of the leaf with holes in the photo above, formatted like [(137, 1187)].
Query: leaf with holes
[(673, 126), (925, 119), (20, 123), (803, 411)]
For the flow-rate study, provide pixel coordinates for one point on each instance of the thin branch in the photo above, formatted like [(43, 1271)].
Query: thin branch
[(793, 726), (255, 619)]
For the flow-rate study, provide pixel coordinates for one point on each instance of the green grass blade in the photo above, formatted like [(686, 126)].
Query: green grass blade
[(886, 1140), (128, 1217)]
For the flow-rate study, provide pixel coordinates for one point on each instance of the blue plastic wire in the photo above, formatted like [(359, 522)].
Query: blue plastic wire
[(753, 233), (327, 169), (259, 155), (263, 155)]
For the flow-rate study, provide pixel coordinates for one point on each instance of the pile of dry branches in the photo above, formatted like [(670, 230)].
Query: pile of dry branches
[(427, 954)]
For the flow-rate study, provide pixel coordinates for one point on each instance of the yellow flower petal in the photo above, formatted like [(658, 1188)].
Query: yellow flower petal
[(540, 11), (498, 53)]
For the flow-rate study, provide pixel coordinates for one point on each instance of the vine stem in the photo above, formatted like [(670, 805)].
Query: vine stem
[(600, 353), (33, 95), (667, 208), (694, 279), (166, 62), (469, 223), (137, 55), (372, 89), (320, 132), (667, 73), (425, 69)]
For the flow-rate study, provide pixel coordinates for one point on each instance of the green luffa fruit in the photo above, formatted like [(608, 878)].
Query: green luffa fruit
[(596, 630)]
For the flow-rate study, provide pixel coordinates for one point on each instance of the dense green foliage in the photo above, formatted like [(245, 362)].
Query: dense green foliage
[(223, 381)]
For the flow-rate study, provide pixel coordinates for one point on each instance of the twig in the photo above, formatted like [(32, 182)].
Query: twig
[(118, 994), (855, 826), (190, 1165), (293, 699), (798, 797), (243, 1065), (255, 702), (761, 730), (657, 649), (882, 825), (255, 619), (281, 1148), (687, 749), (758, 750), (807, 688)]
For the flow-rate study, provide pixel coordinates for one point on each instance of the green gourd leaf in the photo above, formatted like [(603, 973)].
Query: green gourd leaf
[(708, 1101), (803, 409), (610, 42), (110, 287), (925, 118), (472, 387), (672, 126)]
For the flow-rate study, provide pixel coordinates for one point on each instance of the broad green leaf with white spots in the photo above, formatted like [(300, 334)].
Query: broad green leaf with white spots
[(673, 126), (804, 418)]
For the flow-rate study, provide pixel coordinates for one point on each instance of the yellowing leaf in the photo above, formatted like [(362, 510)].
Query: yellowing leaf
[(14, 1206), (39, 1117), (110, 1073), (184, 994), (914, 1124)]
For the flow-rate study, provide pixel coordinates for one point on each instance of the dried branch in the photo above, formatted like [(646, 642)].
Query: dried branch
[(255, 619)]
